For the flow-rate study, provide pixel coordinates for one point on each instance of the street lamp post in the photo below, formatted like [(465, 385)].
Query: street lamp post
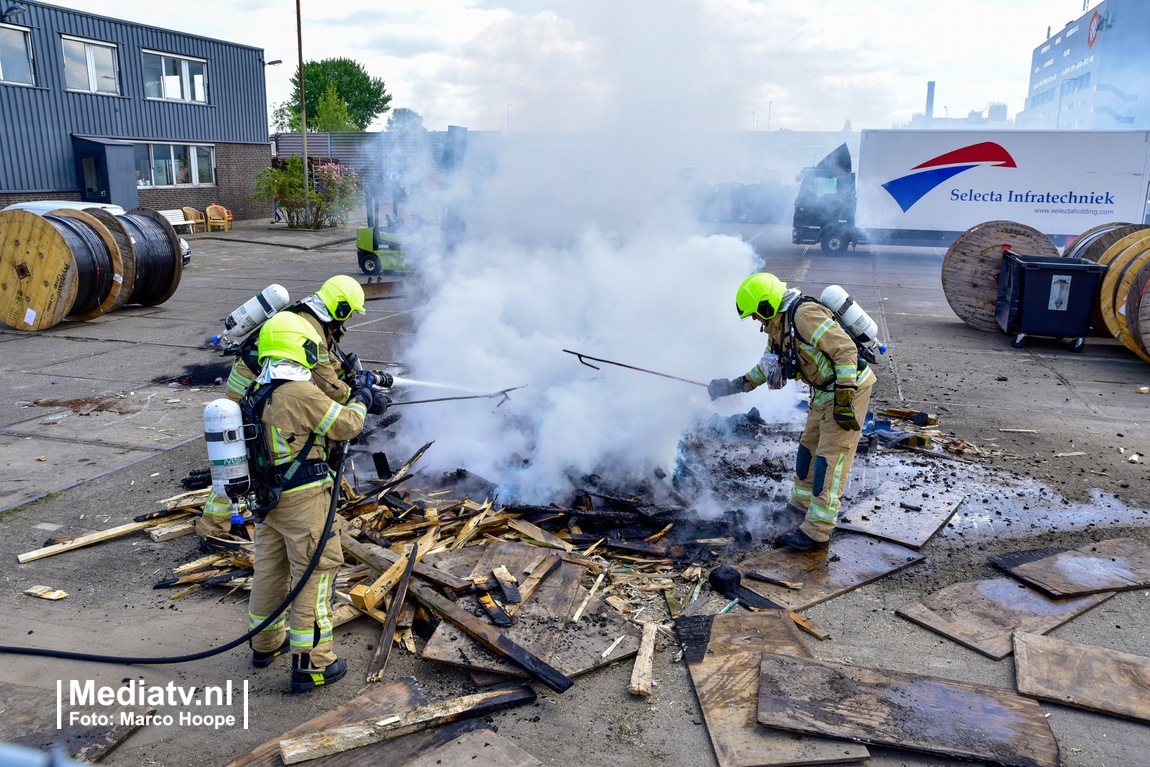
[(302, 115)]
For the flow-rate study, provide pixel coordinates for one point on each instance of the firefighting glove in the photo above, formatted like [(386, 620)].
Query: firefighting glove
[(844, 411), (723, 387), (379, 378), (365, 395)]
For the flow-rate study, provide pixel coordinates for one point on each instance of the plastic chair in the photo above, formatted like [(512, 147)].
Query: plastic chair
[(216, 217), (197, 218)]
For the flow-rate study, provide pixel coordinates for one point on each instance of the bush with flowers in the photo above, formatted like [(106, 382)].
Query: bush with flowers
[(334, 190)]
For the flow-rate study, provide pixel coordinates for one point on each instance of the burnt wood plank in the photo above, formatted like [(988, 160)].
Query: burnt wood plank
[(383, 700), (541, 623), (722, 654), (492, 639), (984, 614), (1114, 565), (901, 710), (29, 719), (482, 748), (373, 730), (1083, 676), (849, 562), (910, 518)]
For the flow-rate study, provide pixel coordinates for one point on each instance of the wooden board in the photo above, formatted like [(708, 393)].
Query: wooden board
[(901, 710), (1138, 316), (541, 625), (383, 700), (482, 748), (28, 718), (1083, 676), (38, 277), (723, 654), (1118, 564), (984, 614), (909, 518), (849, 562), (972, 263)]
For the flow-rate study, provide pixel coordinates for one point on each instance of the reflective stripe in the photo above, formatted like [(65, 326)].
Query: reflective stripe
[(218, 505), (255, 620), (830, 512), (329, 417), (820, 330), (238, 382)]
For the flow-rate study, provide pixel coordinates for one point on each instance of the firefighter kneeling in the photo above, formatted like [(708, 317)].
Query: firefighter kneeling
[(300, 423)]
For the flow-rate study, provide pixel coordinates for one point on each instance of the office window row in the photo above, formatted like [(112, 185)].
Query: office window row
[(93, 66), (175, 165)]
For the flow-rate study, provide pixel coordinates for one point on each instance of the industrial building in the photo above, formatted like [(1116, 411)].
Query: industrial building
[(103, 110), (1092, 75)]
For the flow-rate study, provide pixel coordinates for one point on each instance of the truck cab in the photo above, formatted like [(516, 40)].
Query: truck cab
[(825, 206)]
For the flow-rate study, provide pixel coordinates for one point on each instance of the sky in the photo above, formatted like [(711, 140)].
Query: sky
[(544, 65)]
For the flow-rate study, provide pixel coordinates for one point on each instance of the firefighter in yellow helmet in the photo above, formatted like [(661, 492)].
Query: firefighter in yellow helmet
[(807, 343), (301, 423), (326, 311)]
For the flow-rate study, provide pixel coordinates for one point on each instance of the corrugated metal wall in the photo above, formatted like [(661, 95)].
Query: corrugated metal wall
[(36, 123)]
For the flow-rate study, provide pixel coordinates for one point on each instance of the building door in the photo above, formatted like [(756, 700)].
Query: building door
[(93, 178)]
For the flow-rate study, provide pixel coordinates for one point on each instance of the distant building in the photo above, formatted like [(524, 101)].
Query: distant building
[(97, 109), (1093, 75)]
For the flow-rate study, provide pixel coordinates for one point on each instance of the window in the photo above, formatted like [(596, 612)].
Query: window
[(15, 56), (175, 78), (90, 66), (174, 165)]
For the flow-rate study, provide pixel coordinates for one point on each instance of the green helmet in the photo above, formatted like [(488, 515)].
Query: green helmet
[(760, 294), (342, 295), (288, 336)]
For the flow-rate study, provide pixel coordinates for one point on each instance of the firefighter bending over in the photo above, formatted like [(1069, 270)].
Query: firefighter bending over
[(807, 343), (300, 424)]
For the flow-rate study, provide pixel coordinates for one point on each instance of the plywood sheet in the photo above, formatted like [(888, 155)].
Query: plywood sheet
[(849, 562), (983, 615), (1083, 676), (379, 700), (1115, 565), (542, 625), (901, 710), (481, 748), (28, 718), (722, 654), (908, 518)]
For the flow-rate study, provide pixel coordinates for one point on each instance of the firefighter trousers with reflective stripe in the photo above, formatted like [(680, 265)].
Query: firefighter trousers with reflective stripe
[(823, 464), (284, 544)]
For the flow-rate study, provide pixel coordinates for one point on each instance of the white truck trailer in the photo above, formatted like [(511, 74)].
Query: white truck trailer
[(928, 187)]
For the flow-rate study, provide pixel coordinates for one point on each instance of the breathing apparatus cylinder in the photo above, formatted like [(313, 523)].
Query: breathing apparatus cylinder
[(853, 317), (227, 451), (253, 313)]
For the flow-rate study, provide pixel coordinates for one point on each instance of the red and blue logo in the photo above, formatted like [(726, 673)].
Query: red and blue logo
[(909, 189)]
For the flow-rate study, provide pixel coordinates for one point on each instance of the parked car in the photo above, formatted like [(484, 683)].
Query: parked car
[(43, 207)]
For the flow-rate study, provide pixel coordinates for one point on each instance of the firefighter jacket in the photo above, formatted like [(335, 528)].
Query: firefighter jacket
[(297, 409), (325, 375), (826, 355)]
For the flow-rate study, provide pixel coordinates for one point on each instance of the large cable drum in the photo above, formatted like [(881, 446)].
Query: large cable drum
[(38, 276), (971, 267)]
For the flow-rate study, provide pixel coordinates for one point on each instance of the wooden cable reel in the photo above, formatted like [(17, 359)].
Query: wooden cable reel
[(1138, 310), (1092, 243), (113, 285), (972, 264), (1129, 251), (164, 238), (123, 240), (38, 283)]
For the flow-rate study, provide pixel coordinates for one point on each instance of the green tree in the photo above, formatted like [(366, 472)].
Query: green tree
[(332, 115), (404, 120), (365, 96)]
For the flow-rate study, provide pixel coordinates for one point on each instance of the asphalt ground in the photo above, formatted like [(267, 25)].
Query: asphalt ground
[(104, 419)]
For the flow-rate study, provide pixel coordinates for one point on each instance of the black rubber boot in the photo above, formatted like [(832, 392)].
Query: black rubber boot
[(305, 678), (800, 541), (261, 659)]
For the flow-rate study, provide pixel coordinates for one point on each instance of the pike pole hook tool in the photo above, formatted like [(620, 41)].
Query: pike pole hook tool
[(584, 357), (502, 393)]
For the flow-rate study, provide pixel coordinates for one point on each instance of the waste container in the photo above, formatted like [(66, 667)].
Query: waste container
[(1047, 296)]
